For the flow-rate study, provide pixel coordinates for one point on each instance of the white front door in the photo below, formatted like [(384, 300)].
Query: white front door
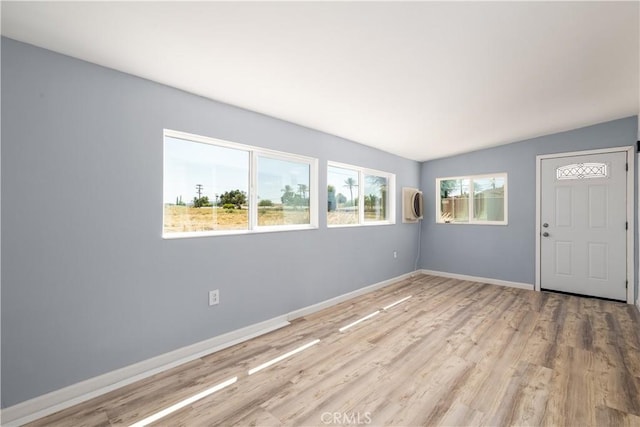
[(583, 225)]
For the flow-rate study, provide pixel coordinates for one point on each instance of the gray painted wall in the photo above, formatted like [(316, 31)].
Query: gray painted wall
[(88, 285), (504, 252)]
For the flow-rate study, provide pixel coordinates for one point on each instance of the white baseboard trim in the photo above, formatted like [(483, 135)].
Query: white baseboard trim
[(74, 394), (344, 297), (498, 282)]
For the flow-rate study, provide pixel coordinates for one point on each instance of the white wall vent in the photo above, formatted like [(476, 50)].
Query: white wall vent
[(412, 205)]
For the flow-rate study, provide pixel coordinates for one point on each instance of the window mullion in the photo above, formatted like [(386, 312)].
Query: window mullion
[(314, 195), (471, 197), (253, 193), (360, 197)]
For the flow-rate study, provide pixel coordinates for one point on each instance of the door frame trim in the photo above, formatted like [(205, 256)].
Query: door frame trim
[(630, 210)]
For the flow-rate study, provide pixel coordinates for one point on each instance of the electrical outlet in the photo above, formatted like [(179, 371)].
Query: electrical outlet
[(395, 254), (214, 297)]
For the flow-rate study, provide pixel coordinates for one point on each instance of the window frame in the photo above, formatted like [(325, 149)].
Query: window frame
[(471, 220), (362, 172), (252, 195)]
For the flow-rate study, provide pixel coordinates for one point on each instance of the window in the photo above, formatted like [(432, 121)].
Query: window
[(357, 196), (480, 199), (216, 187), (375, 197), (283, 191), (342, 208)]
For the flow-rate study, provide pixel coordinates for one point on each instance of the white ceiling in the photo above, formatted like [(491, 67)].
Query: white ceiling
[(421, 79)]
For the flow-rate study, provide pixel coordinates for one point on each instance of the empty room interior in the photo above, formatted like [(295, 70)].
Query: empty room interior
[(320, 213)]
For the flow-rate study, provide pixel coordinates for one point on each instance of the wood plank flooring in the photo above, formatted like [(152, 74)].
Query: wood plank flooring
[(456, 353)]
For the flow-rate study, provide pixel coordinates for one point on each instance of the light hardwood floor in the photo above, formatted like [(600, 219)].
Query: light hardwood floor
[(456, 353)]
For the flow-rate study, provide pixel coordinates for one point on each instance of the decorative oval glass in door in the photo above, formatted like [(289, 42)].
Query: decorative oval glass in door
[(582, 171)]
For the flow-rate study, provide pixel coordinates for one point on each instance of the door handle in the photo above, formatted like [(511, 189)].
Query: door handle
[(545, 234)]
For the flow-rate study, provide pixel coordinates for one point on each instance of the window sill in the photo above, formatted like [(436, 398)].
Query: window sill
[(366, 224), (198, 234), (474, 223)]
